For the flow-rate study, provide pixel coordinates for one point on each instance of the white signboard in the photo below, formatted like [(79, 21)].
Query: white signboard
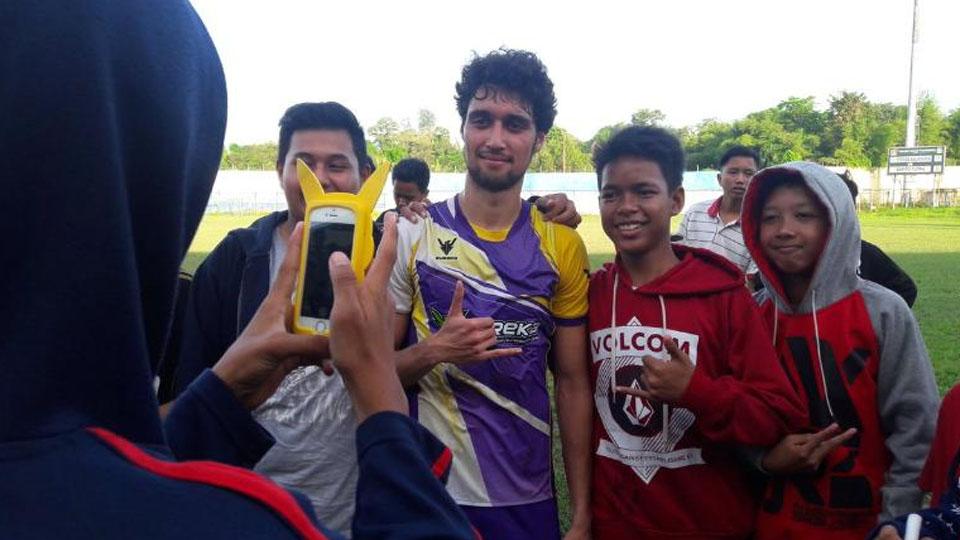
[(916, 160)]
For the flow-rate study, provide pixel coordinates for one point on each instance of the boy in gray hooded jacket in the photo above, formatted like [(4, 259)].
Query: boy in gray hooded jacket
[(854, 352)]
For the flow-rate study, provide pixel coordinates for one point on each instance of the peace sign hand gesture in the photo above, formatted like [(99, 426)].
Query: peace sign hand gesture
[(803, 452)]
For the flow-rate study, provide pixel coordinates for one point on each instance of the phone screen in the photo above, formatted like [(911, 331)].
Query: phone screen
[(325, 238)]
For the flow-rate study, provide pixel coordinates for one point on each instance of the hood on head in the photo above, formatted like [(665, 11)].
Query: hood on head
[(112, 132), (835, 275)]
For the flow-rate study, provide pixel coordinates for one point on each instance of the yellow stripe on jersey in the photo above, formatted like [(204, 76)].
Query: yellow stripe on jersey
[(437, 411), (497, 399), (563, 247)]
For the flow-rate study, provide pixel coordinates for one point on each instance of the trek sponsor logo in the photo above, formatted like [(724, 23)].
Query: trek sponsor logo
[(518, 332), (514, 332), (446, 246), (636, 340)]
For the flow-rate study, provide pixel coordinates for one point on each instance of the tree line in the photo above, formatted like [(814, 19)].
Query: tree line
[(852, 131)]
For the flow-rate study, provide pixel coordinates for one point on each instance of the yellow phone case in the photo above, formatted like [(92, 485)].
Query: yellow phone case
[(361, 204)]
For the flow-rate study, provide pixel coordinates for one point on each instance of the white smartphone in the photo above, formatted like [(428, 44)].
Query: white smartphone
[(912, 530), (328, 229)]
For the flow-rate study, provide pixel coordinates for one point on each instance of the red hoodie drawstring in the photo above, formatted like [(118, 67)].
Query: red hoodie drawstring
[(614, 361), (613, 334), (816, 335), (665, 409)]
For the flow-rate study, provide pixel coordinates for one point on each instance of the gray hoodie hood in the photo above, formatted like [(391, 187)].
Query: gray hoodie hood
[(835, 275)]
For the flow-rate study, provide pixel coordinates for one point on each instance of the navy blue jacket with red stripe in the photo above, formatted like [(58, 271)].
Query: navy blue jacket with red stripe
[(92, 483), (113, 122)]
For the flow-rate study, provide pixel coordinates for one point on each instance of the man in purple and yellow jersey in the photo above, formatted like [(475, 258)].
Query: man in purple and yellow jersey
[(510, 289)]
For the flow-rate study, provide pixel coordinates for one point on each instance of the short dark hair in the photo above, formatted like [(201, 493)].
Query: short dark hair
[(645, 142), (414, 170), (851, 185), (328, 115), (740, 151), (370, 164), (513, 71)]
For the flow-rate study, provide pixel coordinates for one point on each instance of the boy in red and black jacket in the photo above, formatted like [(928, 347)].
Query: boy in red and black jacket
[(854, 351), (682, 370)]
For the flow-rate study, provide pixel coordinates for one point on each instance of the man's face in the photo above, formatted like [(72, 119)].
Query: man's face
[(735, 175), (636, 205), (500, 138), (405, 193), (329, 153), (793, 230)]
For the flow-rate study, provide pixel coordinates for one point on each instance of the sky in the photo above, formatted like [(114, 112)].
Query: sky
[(693, 60)]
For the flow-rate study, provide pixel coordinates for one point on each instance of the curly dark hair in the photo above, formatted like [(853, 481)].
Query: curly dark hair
[(514, 71), (645, 142)]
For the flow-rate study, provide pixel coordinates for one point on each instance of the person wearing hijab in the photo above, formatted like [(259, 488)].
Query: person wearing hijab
[(113, 122)]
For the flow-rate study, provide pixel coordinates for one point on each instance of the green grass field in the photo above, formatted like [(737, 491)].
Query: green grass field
[(924, 242)]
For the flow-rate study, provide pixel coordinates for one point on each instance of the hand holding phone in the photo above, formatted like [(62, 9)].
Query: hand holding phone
[(331, 229), (362, 346)]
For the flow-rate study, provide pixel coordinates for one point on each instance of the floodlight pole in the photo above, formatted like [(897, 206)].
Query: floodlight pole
[(911, 138), (912, 92)]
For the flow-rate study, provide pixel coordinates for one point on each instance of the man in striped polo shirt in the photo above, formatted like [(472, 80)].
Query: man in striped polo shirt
[(715, 225)]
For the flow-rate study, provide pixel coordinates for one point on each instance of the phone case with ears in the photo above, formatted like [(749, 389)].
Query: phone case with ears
[(361, 204)]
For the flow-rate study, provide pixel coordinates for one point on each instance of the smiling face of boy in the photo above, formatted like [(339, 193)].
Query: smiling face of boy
[(793, 230), (636, 205)]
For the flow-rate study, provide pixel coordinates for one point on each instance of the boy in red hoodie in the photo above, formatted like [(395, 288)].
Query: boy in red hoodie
[(854, 352), (676, 332)]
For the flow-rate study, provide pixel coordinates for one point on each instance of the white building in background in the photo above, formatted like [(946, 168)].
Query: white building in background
[(877, 188)]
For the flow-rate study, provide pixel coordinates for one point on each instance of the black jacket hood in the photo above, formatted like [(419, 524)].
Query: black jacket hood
[(112, 118)]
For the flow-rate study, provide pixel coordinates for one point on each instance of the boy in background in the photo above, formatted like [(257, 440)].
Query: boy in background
[(715, 225), (411, 183)]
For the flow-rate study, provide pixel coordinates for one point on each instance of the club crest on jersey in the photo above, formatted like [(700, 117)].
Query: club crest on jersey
[(640, 433), (446, 246)]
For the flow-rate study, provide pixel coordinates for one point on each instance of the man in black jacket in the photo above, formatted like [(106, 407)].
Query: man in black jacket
[(876, 266)]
